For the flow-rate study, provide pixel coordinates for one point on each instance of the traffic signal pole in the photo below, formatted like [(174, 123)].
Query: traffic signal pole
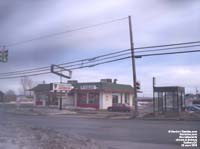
[(4, 55), (134, 113)]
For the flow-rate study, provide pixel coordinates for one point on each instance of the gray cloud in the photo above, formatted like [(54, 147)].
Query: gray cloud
[(154, 22), (179, 2)]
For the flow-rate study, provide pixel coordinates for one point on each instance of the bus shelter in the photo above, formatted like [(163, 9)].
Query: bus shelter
[(168, 99)]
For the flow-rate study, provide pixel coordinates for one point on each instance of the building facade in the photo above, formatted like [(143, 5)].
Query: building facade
[(101, 95), (98, 95)]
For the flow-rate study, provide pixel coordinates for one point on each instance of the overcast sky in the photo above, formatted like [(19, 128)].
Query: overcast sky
[(154, 22)]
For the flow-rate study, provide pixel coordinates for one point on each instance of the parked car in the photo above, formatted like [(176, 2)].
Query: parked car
[(198, 105), (192, 108), (119, 108)]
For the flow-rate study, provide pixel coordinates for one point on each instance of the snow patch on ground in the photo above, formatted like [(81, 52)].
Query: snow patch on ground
[(22, 137)]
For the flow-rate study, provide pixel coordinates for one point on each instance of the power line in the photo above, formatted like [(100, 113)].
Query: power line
[(64, 32), (86, 27), (169, 53), (155, 54), (30, 75), (87, 59), (67, 66), (168, 45), (80, 67), (93, 65), (109, 61), (84, 61), (164, 49), (63, 64), (97, 58), (147, 47)]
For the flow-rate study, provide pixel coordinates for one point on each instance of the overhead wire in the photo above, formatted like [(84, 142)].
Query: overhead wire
[(64, 32), (45, 68), (91, 60), (109, 61), (169, 53)]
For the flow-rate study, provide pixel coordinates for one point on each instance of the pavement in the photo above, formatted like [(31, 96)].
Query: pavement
[(16, 134), (29, 109), (144, 114), (95, 133)]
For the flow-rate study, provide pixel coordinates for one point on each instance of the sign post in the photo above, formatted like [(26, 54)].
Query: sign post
[(61, 89)]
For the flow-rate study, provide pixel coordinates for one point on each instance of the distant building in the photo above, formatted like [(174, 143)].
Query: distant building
[(24, 98), (98, 95), (43, 95), (191, 99), (1, 96)]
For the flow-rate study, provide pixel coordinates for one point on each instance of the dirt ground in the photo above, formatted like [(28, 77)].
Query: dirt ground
[(23, 137)]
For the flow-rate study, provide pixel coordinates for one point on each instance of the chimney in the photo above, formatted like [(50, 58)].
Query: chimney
[(115, 81), (72, 81), (106, 80)]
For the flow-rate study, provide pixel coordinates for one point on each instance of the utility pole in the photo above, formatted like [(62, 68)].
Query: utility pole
[(60, 107), (154, 84), (133, 66)]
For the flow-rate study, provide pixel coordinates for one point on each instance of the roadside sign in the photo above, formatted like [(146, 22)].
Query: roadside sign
[(61, 71), (62, 87), (88, 87)]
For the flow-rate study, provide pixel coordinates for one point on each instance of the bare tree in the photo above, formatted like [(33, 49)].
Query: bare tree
[(10, 96), (26, 84)]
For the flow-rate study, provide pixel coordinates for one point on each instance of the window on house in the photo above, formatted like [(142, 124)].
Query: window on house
[(93, 98), (40, 97), (115, 99), (82, 98)]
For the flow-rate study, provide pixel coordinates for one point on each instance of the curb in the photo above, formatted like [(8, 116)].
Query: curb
[(168, 119), (93, 116)]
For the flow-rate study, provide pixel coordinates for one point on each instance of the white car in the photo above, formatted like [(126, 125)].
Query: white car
[(192, 108), (197, 105)]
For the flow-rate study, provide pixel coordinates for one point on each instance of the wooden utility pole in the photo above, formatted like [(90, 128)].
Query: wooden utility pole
[(133, 66), (60, 107), (154, 83)]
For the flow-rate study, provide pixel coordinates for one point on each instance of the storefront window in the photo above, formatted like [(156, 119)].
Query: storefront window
[(41, 97), (169, 100), (82, 98), (127, 101), (93, 98), (114, 99)]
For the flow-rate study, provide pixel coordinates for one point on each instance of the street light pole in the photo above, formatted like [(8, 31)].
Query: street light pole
[(133, 66)]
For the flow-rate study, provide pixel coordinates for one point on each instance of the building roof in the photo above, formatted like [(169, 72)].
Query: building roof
[(169, 89), (103, 86), (144, 99), (1, 93), (106, 86), (42, 88)]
